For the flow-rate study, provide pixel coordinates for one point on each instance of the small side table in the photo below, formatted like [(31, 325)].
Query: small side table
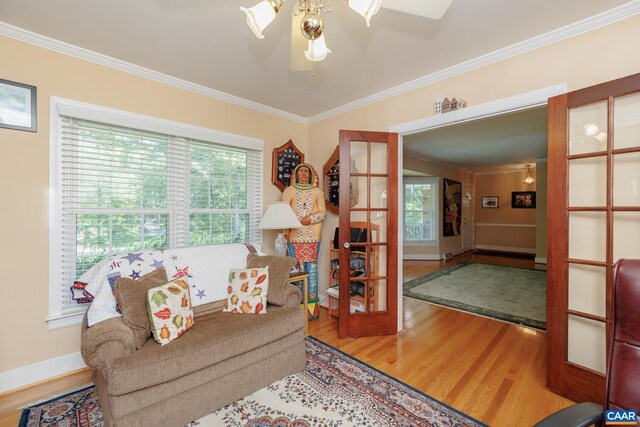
[(304, 278)]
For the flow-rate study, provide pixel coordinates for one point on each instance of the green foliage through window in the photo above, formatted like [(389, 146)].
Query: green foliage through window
[(419, 210)]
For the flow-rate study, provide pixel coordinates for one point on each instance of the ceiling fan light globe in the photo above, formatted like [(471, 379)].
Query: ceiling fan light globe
[(312, 26), (317, 50), (259, 16), (366, 8)]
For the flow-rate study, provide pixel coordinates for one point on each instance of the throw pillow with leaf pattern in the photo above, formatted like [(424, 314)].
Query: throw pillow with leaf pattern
[(170, 310), (247, 290)]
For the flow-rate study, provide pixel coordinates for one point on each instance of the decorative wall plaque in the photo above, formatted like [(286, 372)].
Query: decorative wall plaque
[(283, 161)]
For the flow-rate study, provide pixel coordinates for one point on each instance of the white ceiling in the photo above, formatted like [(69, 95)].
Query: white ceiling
[(207, 42), (506, 142)]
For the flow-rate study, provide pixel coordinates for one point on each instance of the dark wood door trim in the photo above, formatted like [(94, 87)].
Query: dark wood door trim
[(568, 379), (374, 323)]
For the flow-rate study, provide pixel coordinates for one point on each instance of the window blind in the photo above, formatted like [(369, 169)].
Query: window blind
[(124, 189)]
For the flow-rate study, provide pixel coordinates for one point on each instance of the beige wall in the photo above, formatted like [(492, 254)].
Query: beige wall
[(444, 245), (570, 61), (24, 178), (504, 228)]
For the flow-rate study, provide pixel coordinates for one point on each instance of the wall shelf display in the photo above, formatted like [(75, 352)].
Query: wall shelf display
[(284, 160), (361, 269), (523, 200), (331, 173)]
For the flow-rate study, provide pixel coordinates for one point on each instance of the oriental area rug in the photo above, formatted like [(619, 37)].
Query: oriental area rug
[(512, 294), (334, 390)]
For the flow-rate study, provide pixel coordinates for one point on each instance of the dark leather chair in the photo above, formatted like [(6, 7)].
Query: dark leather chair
[(623, 372)]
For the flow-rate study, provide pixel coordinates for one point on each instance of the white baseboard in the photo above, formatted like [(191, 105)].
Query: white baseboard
[(422, 257), (507, 249), (40, 371), (540, 260)]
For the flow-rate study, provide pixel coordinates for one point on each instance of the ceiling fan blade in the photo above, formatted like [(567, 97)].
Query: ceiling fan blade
[(433, 9), (297, 60)]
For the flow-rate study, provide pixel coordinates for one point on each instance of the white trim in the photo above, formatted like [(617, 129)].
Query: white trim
[(479, 224), (511, 104), (514, 103), (83, 110), (434, 182), (541, 260), (420, 243), (127, 67), (62, 320), (605, 18), (40, 371), (422, 257), (507, 249)]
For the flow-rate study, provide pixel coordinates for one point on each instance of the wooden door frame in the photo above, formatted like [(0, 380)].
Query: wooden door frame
[(563, 377), (523, 101), (377, 323)]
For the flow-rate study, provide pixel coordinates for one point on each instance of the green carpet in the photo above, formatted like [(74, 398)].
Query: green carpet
[(516, 295)]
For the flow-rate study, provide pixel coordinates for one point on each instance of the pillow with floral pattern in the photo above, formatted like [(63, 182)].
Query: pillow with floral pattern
[(247, 290), (170, 310)]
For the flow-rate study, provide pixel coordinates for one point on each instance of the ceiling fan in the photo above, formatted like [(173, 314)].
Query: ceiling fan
[(307, 26)]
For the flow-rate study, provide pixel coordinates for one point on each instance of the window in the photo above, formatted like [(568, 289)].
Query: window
[(420, 204), (147, 185)]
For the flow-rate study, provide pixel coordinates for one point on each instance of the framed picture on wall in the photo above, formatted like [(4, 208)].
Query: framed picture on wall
[(490, 202), (17, 106), (452, 198), (523, 200)]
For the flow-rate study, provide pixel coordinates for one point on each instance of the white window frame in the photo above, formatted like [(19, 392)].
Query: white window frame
[(434, 206), (66, 107)]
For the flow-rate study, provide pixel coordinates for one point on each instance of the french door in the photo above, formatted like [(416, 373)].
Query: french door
[(368, 301), (593, 219)]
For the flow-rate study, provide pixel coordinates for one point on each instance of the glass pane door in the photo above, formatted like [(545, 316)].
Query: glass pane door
[(368, 285)]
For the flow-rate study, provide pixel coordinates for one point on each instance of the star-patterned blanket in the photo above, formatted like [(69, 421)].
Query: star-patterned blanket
[(205, 267)]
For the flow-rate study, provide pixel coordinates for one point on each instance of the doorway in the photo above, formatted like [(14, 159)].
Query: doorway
[(527, 101)]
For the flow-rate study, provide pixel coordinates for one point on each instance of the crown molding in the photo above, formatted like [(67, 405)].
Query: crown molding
[(589, 24), (26, 36), (605, 18)]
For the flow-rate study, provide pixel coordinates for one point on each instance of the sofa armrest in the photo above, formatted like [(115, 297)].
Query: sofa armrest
[(293, 296), (106, 341)]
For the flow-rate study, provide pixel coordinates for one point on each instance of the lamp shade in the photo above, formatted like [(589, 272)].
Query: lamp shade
[(259, 16), (317, 49), (279, 215), (366, 8)]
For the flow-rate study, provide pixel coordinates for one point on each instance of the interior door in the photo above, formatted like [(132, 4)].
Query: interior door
[(593, 219), (369, 197)]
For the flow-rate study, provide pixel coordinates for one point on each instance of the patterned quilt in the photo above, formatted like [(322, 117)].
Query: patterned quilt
[(205, 267)]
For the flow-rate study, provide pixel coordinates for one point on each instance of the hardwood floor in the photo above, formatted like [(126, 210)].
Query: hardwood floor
[(490, 370), (11, 403)]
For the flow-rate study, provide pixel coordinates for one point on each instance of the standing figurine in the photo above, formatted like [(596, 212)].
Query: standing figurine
[(307, 201)]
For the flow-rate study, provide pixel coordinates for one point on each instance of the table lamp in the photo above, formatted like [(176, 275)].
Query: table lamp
[(279, 215)]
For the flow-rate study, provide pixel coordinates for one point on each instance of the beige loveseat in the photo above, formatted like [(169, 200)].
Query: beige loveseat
[(222, 358)]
